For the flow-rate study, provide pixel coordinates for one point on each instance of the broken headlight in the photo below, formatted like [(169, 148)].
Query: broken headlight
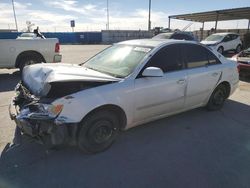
[(44, 111)]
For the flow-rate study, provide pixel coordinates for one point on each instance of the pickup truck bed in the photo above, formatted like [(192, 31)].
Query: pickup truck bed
[(17, 53)]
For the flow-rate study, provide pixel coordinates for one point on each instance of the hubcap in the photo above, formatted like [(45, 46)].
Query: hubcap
[(219, 97), (101, 132), (220, 50), (238, 49)]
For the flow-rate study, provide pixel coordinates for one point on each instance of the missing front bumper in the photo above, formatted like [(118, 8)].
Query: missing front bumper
[(45, 130)]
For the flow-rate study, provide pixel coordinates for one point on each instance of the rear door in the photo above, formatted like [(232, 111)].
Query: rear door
[(204, 72), (235, 41), (155, 96)]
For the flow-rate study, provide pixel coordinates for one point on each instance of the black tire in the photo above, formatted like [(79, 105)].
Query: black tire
[(217, 98), (221, 50), (98, 131), (29, 60), (238, 48)]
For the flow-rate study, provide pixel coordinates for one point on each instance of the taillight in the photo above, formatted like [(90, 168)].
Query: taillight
[(238, 67), (57, 47)]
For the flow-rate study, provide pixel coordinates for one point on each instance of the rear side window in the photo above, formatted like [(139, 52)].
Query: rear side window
[(212, 59), (233, 36), (168, 59), (198, 56)]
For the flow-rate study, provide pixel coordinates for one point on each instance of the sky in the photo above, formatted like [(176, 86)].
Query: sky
[(91, 15)]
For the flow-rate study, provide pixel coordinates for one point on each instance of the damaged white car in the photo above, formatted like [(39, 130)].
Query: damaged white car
[(127, 84)]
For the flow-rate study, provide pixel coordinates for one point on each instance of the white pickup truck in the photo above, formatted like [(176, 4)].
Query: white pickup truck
[(17, 53)]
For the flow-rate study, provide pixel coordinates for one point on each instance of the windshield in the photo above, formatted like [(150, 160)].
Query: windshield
[(163, 36), (118, 60), (214, 38)]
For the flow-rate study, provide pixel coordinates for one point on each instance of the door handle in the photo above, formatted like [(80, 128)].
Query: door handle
[(181, 81)]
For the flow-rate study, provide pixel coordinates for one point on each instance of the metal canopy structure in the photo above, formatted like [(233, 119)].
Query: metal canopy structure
[(216, 15)]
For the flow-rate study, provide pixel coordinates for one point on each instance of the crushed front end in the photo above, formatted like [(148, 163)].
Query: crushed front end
[(36, 117)]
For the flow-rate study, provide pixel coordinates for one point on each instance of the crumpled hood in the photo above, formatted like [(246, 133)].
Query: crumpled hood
[(37, 77), (209, 42)]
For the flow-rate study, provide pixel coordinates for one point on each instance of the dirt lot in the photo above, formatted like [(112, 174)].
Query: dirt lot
[(192, 149)]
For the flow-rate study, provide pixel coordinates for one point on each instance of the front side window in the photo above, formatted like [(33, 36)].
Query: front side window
[(227, 38), (168, 59), (118, 60)]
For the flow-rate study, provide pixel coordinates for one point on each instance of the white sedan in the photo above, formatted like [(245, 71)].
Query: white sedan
[(127, 84)]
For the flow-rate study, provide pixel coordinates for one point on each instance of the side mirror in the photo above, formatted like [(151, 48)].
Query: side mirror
[(153, 72)]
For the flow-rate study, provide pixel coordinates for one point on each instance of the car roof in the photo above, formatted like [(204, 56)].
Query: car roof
[(223, 34), (154, 42)]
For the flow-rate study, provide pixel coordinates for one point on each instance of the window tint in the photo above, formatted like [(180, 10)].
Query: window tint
[(233, 37), (168, 59), (212, 59), (196, 56), (227, 38)]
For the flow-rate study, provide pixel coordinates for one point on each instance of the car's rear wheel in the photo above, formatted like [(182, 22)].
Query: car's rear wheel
[(221, 50), (98, 131), (238, 48), (217, 98)]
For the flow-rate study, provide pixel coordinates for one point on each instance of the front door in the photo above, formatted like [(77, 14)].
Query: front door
[(156, 96)]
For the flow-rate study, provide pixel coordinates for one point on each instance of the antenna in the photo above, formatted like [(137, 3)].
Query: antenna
[(107, 15)]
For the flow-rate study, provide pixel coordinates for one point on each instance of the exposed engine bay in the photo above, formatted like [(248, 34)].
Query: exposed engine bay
[(32, 106)]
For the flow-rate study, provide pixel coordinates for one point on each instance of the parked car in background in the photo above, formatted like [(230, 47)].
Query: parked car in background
[(27, 50), (178, 35), (127, 84), (243, 60), (224, 42)]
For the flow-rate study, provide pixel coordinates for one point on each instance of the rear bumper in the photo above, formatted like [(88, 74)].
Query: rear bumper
[(57, 58)]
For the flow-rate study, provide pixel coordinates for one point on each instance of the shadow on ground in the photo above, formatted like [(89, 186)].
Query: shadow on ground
[(9, 81), (192, 149)]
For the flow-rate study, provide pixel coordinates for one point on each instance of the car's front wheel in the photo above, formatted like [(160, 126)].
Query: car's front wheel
[(98, 131), (238, 48), (221, 50), (217, 98)]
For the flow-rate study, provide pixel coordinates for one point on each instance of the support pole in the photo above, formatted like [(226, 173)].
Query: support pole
[(216, 22), (107, 27), (149, 16), (202, 31), (14, 14), (169, 22), (248, 25)]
